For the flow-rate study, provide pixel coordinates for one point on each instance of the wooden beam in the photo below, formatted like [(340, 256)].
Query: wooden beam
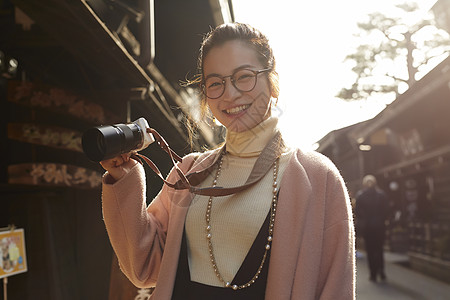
[(78, 28)]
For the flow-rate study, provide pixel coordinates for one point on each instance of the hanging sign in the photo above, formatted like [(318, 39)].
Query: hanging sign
[(53, 174), (12, 253), (45, 135), (59, 101)]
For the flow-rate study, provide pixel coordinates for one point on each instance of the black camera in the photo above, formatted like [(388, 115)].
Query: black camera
[(104, 142)]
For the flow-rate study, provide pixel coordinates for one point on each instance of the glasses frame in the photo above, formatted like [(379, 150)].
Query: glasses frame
[(255, 72)]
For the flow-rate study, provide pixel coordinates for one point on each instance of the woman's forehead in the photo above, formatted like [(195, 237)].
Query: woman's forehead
[(225, 58)]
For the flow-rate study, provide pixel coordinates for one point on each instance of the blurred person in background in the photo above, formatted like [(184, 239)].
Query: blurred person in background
[(371, 214)]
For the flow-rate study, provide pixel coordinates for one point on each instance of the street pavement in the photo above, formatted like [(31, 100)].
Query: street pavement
[(402, 283)]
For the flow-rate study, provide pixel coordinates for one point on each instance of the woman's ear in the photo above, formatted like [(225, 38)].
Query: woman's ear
[(274, 85), (274, 94)]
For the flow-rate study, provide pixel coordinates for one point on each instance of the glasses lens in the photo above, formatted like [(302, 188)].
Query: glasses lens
[(214, 87), (244, 80)]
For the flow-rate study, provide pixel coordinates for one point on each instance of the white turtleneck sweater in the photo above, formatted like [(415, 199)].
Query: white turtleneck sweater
[(235, 219)]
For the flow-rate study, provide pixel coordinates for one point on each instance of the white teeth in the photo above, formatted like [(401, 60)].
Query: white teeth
[(237, 109)]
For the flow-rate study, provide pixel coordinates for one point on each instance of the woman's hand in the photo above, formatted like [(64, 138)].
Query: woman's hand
[(119, 166)]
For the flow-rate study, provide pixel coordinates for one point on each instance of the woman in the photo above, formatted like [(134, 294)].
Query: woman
[(279, 228)]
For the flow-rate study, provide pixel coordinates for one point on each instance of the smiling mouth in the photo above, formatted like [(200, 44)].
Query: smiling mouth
[(237, 109)]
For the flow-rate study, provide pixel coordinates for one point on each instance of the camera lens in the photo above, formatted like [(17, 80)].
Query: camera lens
[(104, 142), (101, 143)]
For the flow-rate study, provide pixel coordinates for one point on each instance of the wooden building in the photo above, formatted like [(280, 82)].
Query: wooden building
[(69, 65), (407, 147)]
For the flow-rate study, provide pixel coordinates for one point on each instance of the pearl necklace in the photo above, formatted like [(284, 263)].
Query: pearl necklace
[(227, 284)]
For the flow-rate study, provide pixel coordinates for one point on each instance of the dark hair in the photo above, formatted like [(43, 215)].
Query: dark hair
[(250, 36)]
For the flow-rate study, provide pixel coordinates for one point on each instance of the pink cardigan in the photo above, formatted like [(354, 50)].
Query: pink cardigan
[(313, 246)]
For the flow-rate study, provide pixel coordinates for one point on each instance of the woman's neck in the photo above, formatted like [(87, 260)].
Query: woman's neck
[(250, 143)]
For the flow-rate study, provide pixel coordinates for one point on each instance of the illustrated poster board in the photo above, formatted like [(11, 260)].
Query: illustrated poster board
[(12, 253)]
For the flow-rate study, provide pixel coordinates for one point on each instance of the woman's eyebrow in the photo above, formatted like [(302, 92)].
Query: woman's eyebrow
[(213, 75), (234, 70), (243, 67)]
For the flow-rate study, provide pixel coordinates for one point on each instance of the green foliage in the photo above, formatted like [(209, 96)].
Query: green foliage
[(392, 51)]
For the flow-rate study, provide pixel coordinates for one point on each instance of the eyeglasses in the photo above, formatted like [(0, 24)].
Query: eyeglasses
[(244, 80)]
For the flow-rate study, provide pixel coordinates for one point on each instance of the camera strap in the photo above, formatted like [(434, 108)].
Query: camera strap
[(271, 152)]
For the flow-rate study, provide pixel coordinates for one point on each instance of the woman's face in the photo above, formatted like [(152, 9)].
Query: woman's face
[(237, 111)]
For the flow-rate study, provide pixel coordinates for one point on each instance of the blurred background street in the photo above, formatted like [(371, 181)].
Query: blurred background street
[(402, 283)]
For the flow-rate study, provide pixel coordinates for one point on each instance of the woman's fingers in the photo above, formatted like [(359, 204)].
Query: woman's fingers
[(115, 161), (126, 157), (112, 163), (118, 166), (118, 160)]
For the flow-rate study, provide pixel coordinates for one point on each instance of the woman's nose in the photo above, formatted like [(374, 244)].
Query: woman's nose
[(230, 92)]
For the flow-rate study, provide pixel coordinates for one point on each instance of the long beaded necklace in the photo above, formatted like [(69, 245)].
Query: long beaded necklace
[(273, 206)]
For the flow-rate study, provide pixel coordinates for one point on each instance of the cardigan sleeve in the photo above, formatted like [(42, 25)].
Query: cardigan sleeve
[(337, 268), (138, 233)]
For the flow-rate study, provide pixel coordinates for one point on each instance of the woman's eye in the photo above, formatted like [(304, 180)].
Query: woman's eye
[(244, 76), (214, 84)]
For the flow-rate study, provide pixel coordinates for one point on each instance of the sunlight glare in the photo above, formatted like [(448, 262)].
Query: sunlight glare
[(310, 41)]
